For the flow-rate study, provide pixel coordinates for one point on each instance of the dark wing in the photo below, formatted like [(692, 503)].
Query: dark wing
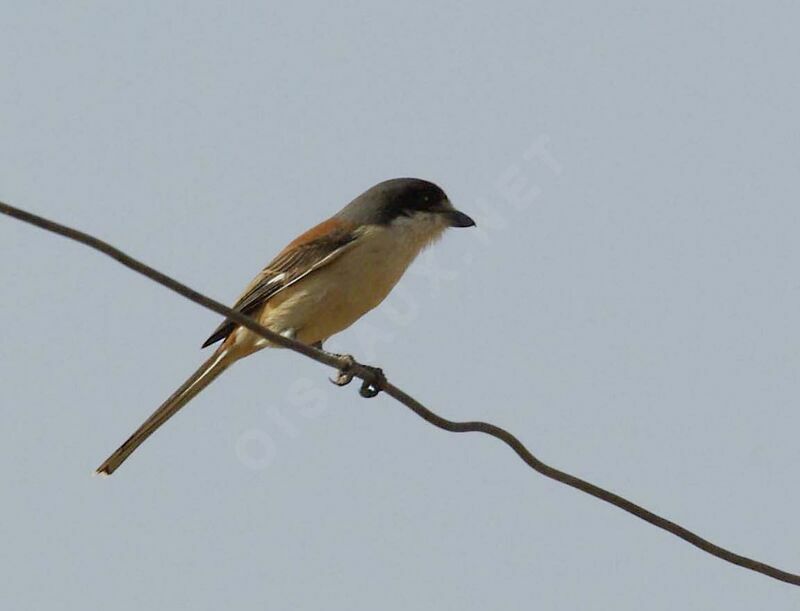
[(295, 262)]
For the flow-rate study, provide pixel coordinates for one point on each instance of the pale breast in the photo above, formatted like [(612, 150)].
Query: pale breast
[(332, 298)]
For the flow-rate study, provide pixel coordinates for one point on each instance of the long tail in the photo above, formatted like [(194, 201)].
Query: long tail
[(201, 378)]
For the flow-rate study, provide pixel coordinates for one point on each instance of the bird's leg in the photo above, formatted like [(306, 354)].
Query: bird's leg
[(370, 387), (345, 375), (372, 383), (349, 358)]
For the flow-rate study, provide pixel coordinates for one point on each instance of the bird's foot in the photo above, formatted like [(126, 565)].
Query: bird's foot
[(372, 383), (345, 374)]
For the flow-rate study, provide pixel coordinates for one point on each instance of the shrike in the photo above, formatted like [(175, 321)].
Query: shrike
[(322, 282)]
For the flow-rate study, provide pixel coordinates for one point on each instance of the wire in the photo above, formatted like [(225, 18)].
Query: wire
[(374, 381)]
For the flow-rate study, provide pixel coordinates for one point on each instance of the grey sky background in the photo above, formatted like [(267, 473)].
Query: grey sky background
[(630, 307)]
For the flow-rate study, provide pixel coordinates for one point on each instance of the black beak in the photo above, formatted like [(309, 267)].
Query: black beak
[(459, 219)]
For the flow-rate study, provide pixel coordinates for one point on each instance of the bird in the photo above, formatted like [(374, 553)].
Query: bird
[(321, 283)]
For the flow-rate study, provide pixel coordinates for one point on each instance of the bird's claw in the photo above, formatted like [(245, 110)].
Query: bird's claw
[(345, 375), (370, 387)]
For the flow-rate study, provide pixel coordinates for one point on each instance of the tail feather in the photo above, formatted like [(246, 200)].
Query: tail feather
[(201, 378)]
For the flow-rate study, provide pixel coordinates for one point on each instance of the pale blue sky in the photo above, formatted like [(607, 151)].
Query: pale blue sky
[(630, 307)]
